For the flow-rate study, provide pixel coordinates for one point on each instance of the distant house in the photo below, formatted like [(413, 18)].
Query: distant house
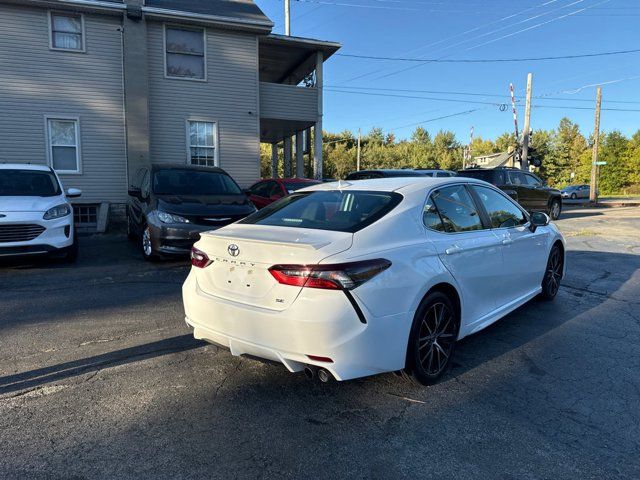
[(493, 160), (99, 88)]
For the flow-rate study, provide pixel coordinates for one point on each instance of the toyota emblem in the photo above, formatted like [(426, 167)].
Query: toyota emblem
[(233, 250)]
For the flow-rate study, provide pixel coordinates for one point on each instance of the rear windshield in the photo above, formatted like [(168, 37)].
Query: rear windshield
[(293, 186), (486, 175), (28, 183), (340, 211), (175, 181)]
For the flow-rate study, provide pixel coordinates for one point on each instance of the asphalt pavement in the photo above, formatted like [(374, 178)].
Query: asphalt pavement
[(100, 378)]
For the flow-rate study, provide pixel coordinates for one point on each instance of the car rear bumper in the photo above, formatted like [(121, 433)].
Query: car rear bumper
[(320, 323), (56, 234)]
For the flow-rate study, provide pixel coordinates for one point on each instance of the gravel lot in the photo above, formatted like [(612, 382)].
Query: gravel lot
[(100, 378)]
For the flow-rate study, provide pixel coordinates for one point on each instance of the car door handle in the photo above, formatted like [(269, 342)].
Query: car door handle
[(453, 250), (507, 241)]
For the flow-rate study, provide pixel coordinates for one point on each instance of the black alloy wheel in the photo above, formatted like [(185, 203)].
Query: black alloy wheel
[(432, 340), (553, 274)]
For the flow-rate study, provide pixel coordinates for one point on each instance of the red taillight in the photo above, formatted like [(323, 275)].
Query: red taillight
[(199, 258), (343, 276)]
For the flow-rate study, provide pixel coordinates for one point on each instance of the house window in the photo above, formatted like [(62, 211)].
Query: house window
[(64, 152), (85, 215), (67, 31), (185, 53), (202, 143)]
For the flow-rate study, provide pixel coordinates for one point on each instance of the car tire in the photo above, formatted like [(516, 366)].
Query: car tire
[(552, 274), (432, 340), (146, 245), (555, 207), (573, 196)]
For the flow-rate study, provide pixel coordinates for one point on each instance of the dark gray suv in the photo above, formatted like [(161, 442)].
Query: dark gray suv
[(170, 205)]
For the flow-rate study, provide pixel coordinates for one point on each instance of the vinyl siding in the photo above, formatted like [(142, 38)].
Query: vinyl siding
[(228, 97), (288, 102), (36, 82)]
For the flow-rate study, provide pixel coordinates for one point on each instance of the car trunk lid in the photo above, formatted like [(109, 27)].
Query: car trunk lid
[(241, 255)]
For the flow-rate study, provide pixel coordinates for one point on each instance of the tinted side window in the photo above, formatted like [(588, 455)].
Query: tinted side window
[(516, 178), (502, 211), (261, 189), (532, 181), (274, 189), (431, 217), (456, 209)]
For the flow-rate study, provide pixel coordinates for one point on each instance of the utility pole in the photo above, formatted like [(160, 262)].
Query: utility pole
[(515, 122), (287, 17), (466, 159), (593, 191), (358, 157), (524, 163)]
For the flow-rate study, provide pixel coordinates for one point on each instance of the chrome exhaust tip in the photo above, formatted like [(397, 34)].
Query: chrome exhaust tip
[(309, 372), (324, 375)]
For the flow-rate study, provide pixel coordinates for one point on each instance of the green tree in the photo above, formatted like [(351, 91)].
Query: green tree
[(448, 152), (616, 174), (564, 157), (506, 141)]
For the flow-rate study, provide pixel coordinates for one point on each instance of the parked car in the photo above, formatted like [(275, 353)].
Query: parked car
[(372, 277), (575, 191), (436, 172), (383, 173), (269, 190), (170, 205), (35, 214), (524, 187)]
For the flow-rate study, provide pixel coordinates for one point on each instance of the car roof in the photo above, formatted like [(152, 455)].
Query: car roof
[(394, 184), (392, 171), (24, 166), (185, 166)]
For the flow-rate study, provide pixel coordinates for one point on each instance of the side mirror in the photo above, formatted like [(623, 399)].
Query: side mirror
[(246, 191), (135, 192), (73, 192), (538, 219)]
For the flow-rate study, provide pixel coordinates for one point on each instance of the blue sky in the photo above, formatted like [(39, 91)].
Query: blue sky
[(472, 29)]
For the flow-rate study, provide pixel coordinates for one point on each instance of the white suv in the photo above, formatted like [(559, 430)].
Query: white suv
[(35, 215)]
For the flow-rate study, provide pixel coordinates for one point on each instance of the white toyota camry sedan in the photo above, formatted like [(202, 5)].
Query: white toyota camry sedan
[(345, 280)]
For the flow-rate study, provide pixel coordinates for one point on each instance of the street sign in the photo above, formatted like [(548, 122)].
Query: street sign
[(601, 163)]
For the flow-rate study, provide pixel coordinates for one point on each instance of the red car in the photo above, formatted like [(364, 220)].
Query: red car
[(269, 190)]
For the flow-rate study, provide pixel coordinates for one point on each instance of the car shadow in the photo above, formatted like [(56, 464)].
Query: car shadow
[(40, 376), (575, 213)]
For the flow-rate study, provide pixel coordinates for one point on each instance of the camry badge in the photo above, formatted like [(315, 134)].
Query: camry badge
[(233, 250)]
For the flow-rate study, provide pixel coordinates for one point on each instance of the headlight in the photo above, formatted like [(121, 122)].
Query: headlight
[(58, 211), (170, 217)]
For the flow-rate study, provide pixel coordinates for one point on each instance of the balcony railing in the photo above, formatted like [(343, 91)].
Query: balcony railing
[(288, 102)]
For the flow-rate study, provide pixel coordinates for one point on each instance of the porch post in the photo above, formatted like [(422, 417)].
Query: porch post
[(287, 157), (274, 160), (317, 148), (299, 155)]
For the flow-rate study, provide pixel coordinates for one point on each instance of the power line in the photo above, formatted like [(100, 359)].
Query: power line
[(416, 97), (504, 36), (486, 60), (494, 95), (465, 112), (461, 34)]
